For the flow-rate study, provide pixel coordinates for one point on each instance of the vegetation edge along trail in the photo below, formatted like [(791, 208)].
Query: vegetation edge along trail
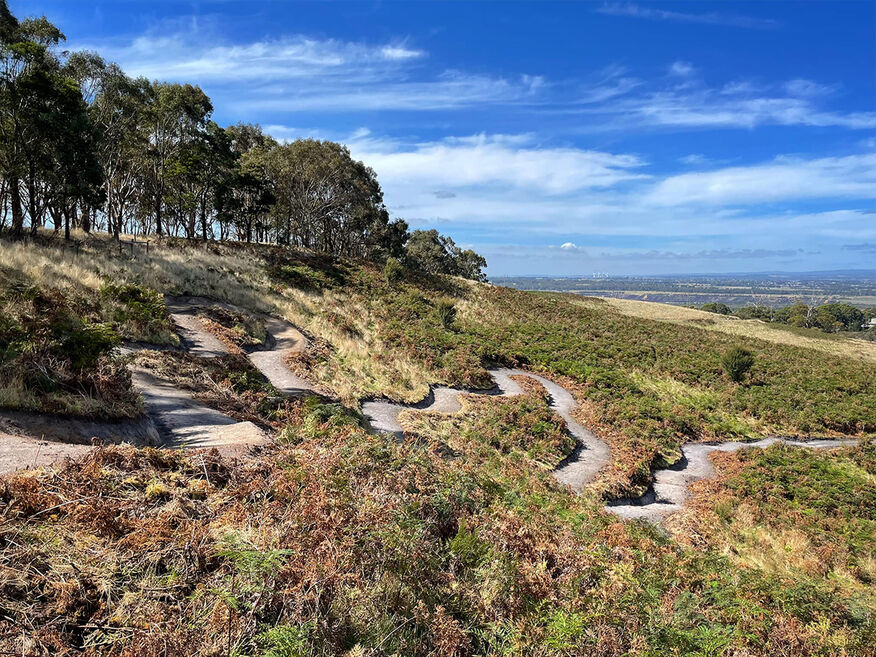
[(201, 427)]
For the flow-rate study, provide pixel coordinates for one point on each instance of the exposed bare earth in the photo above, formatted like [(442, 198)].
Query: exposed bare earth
[(176, 420), (751, 328), (23, 451)]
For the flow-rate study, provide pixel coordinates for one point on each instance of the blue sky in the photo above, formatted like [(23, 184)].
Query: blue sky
[(567, 138)]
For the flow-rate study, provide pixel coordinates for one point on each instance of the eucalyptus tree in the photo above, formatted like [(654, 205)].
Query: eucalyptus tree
[(176, 115), (327, 201), (25, 65), (47, 141), (78, 136), (117, 107), (244, 198), (220, 166), (428, 250), (76, 176)]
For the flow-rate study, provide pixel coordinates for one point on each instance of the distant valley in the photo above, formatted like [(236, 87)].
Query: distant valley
[(775, 290)]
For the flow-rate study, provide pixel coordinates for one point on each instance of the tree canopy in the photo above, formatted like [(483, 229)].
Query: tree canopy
[(86, 146)]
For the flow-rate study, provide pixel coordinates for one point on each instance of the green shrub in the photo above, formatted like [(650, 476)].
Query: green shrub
[(85, 345), (288, 640), (737, 362), (321, 276), (140, 303), (139, 313), (393, 270), (320, 419), (446, 311), (11, 337), (717, 308)]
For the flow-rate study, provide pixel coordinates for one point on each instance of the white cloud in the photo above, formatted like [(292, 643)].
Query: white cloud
[(853, 176), (511, 187), (303, 73), (193, 56), (681, 69), (741, 88), (621, 102), (451, 89), (693, 159), (807, 88), (713, 18), (705, 108), (400, 52), (501, 160)]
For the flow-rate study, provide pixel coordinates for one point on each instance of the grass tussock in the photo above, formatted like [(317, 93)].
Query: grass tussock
[(56, 352), (240, 331), (337, 542)]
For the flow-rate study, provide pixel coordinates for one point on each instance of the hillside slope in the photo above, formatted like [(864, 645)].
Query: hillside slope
[(645, 386), (329, 539)]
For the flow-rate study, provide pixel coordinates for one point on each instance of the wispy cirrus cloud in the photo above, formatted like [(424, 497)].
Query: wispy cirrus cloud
[(783, 179), (632, 10), (190, 55), (301, 73), (448, 90), (620, 101)]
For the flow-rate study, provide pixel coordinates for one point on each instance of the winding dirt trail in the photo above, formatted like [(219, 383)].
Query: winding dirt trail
[(176, 420), (576, 471), (286, 340), (669, 492)]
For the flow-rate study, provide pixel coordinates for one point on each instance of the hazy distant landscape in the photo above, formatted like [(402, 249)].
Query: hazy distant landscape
[(857, 287)]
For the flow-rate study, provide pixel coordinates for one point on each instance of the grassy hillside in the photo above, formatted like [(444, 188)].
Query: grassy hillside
[(845, 346), (646, 386), (341, 542), (455, 541), (802, 514)]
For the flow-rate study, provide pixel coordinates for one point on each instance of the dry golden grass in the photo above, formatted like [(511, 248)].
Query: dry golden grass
[(238, 278), (750, 328)]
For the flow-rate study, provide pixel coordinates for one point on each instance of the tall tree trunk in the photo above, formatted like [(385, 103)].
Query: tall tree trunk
[(113, 226), (204, 218), (86, 218), (158, 215), (66, 223), (17, 213), (32, 200)]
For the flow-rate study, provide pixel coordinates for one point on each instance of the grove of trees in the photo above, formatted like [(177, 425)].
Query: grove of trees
[(82, 145), (829, 317)]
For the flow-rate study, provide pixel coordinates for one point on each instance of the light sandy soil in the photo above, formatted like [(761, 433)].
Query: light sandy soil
[(184, 422), (17, 451), (272, 362)]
